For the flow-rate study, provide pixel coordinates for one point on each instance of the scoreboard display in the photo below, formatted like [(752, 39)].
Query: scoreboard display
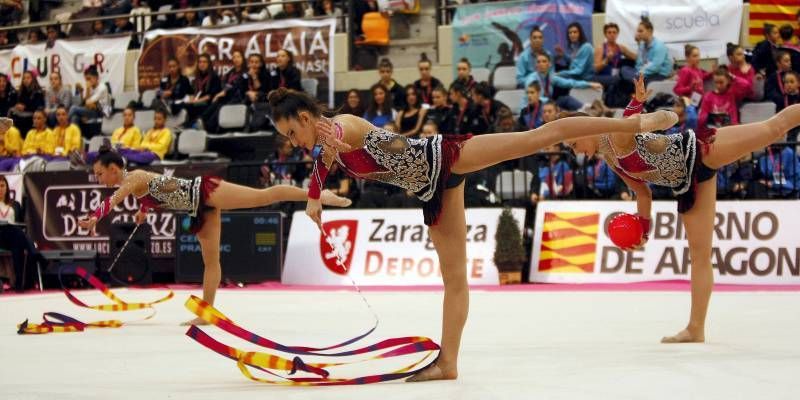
[(251, 248)]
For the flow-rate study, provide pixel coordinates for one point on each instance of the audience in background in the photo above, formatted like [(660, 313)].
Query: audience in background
[(738, 66), (652, 58), (410, 118), (464, 74), (577, 59), (205, 86), (531, 116), (173, 88), (380, 111), (385, 70), (65, 136), (721, 107), (439, 113), (285, 74), (30, 97), (692, 78), (426, 82), (526, 63), (353, 104)]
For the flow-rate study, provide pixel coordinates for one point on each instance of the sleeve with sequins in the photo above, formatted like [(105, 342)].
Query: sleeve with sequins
[(128, 186), (633, 108)]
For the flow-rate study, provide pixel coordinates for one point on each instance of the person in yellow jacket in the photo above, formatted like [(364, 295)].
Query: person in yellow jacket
[(36, 140), (155, 143), (10, 144), (128, 135), (65, 137)]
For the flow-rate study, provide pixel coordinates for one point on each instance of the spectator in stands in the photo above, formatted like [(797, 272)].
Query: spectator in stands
[(464, 74), (257, 89), (10, 147), (65, 137), (691, 77), (14, 239), (778, 170), (467, 117), (773, 86), (8, 95), (285, 74), (531, 116), (379, 110), (550, 112), (739, 67), (256, 13), (8, 39), (128, 136), (505, 122), (36, 139), (554, 177), (98, 29), (385, 69), (155, 143), (483, 97), (410, 118), (788, 40), (578, 58), (440, 112), (608, 58), (526, 63), (284, 163), (234, 86), (30, 97), (734, 181), (353, 105), (290, 10), (220, 17), (548, 81), (326, 8), (117, 7), (721, 107), (429, 129), (123, 25), (173, 88), (58, 95), (53, 34), (601, 181), (95, 99), (188, 19), (764, 52), (205, 87), (652, 59), (426, 82), (687, 114), (11, 12), (791, 95)]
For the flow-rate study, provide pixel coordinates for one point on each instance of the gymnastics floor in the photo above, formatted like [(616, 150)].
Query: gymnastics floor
[(519, 343)]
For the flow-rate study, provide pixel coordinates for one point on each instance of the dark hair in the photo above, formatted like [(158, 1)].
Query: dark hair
[(385, 108), (780, 54), (786, 31), (423, 58), (795, 73), (288, 103), (23, 91), (465, 61), (581, 35), (441, 89), (768, 28), (132, 107), (551, 103), (386, 63), (106, 156), (417, 94), (60, 106), (545, 55), (535, 85), (346, 109), (610, 25), (483, 89), (160, 110), (244, 60), (91, 71), (534, 28), (661, 101), (290, 55), (41, 111), (688, 49), (722, 70), (7, 197), (731, 48), (645, 22), (460, 88)]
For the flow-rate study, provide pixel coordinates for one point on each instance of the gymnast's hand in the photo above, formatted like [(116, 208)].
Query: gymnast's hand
[(314, 210), (88, 223), (140, 217), (641, 91), (326, 134)]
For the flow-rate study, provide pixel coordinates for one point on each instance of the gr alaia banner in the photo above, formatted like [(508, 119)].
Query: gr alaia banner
[(310, 41), (70, 58), (755, 242), (707, 24), (384, 247), (494, 35)]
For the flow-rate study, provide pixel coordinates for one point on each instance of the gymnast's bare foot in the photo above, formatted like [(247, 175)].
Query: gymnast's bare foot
[(197, 321), (434, 373), (685, 336)]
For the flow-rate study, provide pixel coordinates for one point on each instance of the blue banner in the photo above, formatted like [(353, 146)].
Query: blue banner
[(493, 35)]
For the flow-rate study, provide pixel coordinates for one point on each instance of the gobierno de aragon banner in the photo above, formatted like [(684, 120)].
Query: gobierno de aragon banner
[(310, 41), (754, 242)]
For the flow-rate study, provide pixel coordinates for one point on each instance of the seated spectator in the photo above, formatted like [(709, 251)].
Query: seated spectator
[(482, 96), (11, 12), (608, 58), (285, 75), (426, 82), (778, 170), (721, 107), (290, 10), (550, 111), (95, 99), (687, 114), (526, 63), (205, 86), (353, 105), (791, 95), (578, 58), (123, 25), (36, 139), (531, 116), (256, 13), (554, 177), (385, 69), (429, 129), (739, 67), (284, 165), (30, 98), (467, 117), (53, 33), (65, 137), (8, 95), (128, 136), (439, 112), (409, 120), (173, 89), (14, 240), (117, 7), (652, 59), (188, 19), (326, 8), (155, 143), (691, 77), (464, 74), (257, 89), (58, 95), (10, 143), (380, 111), (98, 29), (736, 180), (505, 122), (548, 81), (601, 181), (765, 51), (234, 87), (8, 39), (35, 36), (773, 86), (220, 17)]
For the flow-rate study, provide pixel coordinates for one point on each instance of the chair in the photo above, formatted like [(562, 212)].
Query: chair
[(666, 86), (147, 97), (233, 116), (123, 99), (109, 124), (376, 30), (512, 185), (505, 78), (95, 142), (512, 98), (192, 143), (586, 95), (758, 89), (174, 121), (57, 165), (481, 74), (310, 86), (756, 112), (144, 120)]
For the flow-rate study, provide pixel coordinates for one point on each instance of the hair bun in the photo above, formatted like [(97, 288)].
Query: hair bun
[(276, 96)]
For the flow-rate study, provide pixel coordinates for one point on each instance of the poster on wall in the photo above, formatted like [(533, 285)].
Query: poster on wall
[(755, 242), (310, 41)]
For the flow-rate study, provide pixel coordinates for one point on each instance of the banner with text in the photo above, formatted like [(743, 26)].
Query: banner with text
[(70, 58), (494, 35), (708, 24), (755, 242), (390, 247), (311, 42), (59, 199)]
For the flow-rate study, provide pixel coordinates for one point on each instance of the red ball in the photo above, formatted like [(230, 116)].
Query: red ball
[(625, 231)]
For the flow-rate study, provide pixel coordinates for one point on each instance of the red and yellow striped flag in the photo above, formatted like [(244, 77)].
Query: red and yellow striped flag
[(775, 12), (569, 241)]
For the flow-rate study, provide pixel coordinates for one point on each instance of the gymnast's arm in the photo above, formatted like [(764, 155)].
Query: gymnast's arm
[(133, 181), (644, 201)]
